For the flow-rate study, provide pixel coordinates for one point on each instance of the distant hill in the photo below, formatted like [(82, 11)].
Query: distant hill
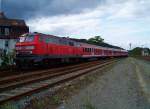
[(103, 44)]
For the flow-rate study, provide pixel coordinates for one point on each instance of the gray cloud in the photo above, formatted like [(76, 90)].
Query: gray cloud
[(32, 8)]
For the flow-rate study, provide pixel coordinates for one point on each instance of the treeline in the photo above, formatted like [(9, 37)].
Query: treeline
[(138, 51), (97, 40)]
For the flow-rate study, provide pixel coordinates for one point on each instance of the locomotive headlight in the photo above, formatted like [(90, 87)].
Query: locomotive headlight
[(29, 47), (18, 48)]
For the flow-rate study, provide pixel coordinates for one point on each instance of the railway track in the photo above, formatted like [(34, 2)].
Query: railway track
[(25, 84)]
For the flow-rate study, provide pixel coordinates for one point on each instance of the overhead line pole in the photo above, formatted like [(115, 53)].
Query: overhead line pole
[(1, 6)]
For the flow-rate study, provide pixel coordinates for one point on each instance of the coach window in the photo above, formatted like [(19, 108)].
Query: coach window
[(84, 49), (87, 49), (90, 50)]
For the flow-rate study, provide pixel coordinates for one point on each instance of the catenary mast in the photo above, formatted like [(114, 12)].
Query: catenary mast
[(1, 6)]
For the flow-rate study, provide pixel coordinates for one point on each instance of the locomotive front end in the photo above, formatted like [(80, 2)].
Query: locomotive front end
[(25, 49)]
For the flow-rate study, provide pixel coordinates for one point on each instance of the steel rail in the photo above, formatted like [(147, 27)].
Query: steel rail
[(37, 73), (39, 78), (56, 81)]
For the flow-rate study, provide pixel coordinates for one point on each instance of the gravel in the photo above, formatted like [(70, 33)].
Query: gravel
[(118, 88)]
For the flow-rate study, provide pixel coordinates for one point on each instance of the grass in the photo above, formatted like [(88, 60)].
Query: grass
[(56, 99), (9, 106), (88, 105), (38, 103)]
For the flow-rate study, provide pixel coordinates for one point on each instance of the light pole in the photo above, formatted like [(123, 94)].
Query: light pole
[(0, 5), (130, 45)]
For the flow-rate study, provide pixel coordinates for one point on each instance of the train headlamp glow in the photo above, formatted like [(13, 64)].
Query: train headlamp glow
[(29, 47), (18, 48), (25, 47)]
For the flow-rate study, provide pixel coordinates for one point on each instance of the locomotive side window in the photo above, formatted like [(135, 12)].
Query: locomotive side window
[(63, 42), (71, 43), (41, 38), (51, 40), (48, 40)]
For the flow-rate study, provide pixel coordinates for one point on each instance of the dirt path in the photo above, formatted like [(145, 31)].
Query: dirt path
[(118, 88)]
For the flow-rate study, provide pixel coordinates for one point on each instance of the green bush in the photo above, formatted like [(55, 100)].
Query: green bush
[(7, 60)]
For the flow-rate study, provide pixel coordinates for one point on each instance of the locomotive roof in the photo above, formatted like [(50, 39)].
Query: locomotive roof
[(102, 45), (66, 38), (84, 44)]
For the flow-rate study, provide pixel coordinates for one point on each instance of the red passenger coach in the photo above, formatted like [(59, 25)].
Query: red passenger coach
[(37, 48)]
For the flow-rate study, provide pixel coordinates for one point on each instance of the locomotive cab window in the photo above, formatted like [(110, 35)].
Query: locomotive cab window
[(27, 38)]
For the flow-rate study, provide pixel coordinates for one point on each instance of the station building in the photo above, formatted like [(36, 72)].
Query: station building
[(145, 52), (10, 30)]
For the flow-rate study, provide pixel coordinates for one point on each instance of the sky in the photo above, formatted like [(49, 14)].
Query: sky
[(118, 22)]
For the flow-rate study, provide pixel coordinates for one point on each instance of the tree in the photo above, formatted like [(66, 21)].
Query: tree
[(95, 40), (136, 51)]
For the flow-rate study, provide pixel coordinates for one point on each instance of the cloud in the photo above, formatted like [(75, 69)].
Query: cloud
[(132, 9), (34, 8), (120, 22), (74, 24)]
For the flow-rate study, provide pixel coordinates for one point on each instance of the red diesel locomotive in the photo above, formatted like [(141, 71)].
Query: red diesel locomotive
[(38, 48)]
